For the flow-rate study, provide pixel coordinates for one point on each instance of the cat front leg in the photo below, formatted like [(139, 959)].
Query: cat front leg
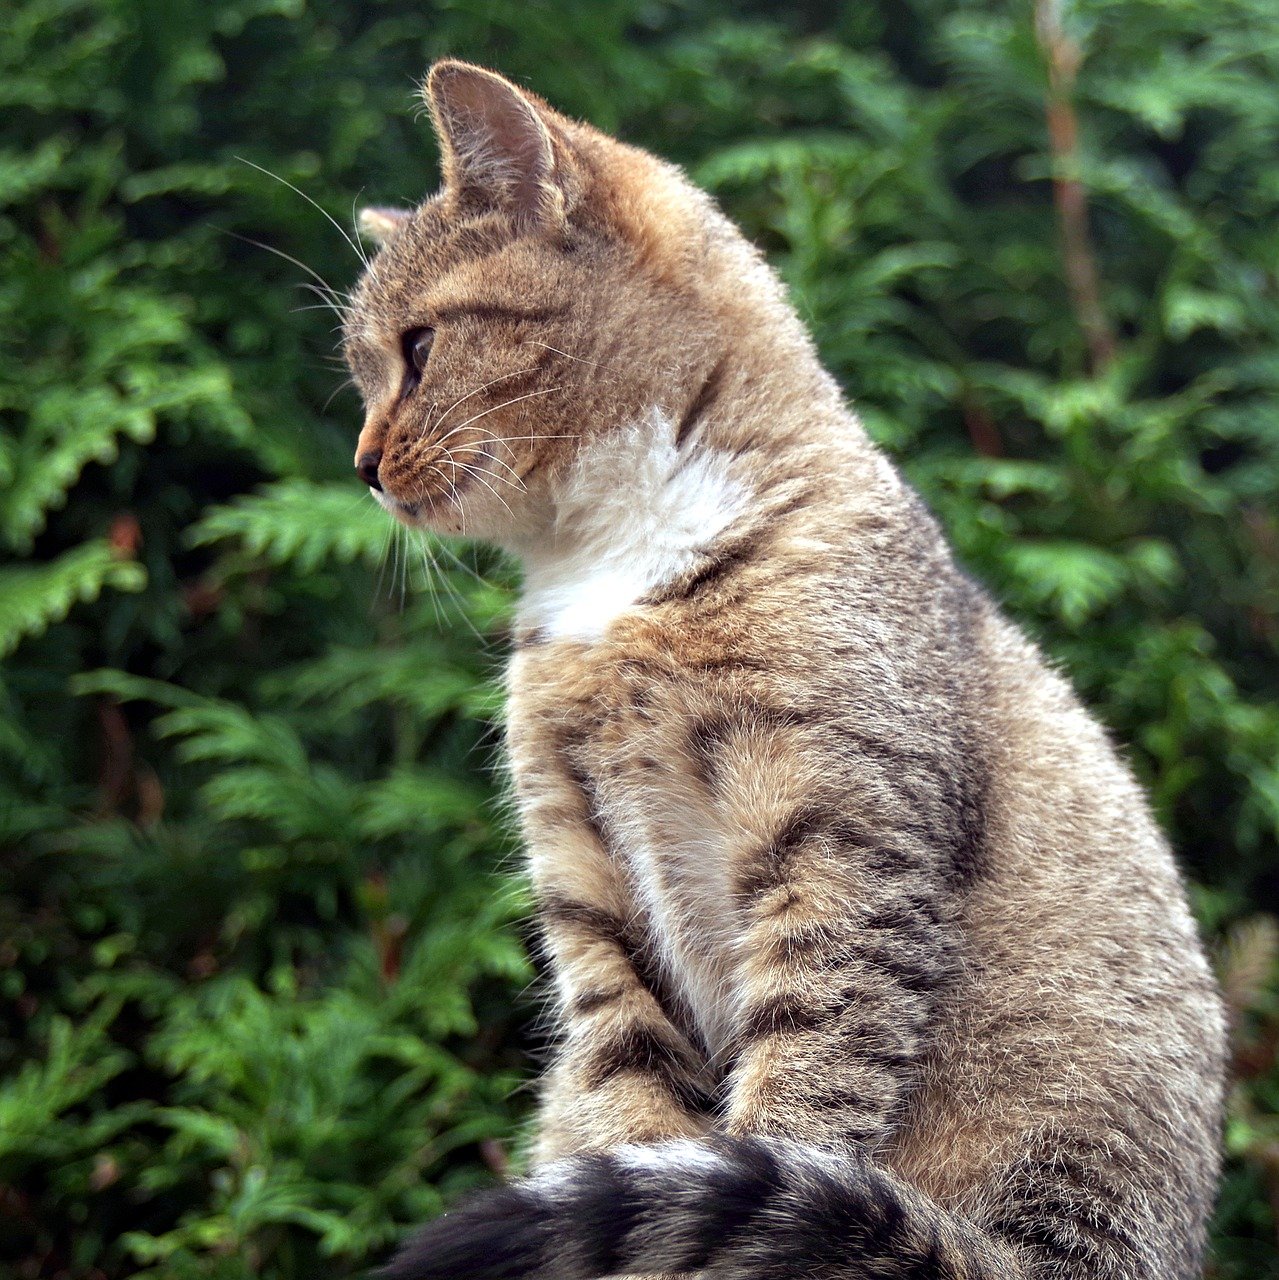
[(847, 945), (624, 1070)]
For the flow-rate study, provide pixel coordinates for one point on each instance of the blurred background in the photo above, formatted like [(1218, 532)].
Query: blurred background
[(264, 991)]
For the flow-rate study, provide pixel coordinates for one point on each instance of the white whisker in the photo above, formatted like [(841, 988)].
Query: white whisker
[(529, 395), (478, 475), (359, 253), (579, 359), (462, 399), (326, 290)]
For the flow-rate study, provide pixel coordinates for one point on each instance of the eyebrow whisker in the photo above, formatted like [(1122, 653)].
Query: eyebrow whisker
[(359, 253)]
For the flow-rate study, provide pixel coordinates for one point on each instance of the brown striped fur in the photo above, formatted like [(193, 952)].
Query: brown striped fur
[(831, 865)]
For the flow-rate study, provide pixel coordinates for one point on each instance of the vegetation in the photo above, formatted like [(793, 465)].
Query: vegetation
[(264, 989)]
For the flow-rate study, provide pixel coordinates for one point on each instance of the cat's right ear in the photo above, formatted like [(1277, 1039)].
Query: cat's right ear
[(380, 224), (497, 146)]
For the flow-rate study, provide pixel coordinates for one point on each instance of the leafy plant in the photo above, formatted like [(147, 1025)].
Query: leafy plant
[(258, 947)]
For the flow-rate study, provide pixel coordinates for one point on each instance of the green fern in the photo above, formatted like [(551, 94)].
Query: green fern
[(300, 524), (260, 973), (33, 597)]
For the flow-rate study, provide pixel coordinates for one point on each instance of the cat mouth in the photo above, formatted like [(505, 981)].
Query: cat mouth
[(448, 494), (408, 511), (426, 510)]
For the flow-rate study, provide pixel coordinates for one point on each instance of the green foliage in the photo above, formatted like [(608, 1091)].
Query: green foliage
[(33, 597), (260, 972)]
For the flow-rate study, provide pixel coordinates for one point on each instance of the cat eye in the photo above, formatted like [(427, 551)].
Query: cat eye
[(416, 344)]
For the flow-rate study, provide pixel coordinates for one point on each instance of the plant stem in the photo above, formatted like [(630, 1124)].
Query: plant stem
[(1063, 58)]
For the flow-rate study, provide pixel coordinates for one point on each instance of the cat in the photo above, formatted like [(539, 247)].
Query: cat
[(869, 959)]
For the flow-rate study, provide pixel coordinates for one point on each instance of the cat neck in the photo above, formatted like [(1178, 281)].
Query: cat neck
[(630, 515), (643, 504)]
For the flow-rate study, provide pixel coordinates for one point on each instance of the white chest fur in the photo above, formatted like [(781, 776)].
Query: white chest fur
[(632, 514)]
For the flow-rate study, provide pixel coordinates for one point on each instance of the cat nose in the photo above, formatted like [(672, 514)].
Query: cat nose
[(366, 466)]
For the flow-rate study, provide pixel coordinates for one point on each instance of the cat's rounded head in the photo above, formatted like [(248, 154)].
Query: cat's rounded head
[(560, 286)]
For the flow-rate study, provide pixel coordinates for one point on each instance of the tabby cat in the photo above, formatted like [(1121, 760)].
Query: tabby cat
[(869, 959)]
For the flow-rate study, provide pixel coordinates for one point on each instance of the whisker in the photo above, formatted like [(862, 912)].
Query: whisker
[(404, 575), (341, 386), (461, 564), (487, 437), (457, 595), (359, 253), (395, 559), (528, 395), (440, 421), (579, 359), (432, 571), (386, 547), (478, 475), (518, 487), (446, 580), (326, 290)]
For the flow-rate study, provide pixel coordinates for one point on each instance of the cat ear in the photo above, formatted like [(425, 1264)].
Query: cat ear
[(496, 144), (380, 224)]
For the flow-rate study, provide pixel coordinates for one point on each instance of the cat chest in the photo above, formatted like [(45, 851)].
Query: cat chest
[(614, 807)]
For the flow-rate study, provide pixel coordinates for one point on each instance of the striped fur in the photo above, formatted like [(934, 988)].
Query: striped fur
[(868, 957), (727, 1207)]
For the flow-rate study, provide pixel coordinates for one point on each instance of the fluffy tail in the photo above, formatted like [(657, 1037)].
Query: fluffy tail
[(736, 1208)]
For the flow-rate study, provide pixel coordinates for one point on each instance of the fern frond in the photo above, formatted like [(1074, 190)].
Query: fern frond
[(301, 524), (34, 597)]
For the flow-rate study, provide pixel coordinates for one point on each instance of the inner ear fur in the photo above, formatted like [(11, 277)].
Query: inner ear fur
[(497, 143), (380, 224)]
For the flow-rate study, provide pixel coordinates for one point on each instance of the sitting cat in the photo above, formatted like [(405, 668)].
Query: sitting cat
[(869, 958)]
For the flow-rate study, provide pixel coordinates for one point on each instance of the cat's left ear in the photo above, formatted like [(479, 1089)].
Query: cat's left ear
[(499, 144), (379, 224)]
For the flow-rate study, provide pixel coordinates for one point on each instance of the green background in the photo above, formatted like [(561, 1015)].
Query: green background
[(264, 996)]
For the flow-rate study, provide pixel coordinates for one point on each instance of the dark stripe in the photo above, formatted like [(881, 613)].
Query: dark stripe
[(915, 968), (557, 911), (607, 1207), (728, 662), (702, 402), (572, 747), (732, 1195), (792, 504), (706, 739), (636, 1048), (505, 1233), (1070, 1230), (531, 638), (809, 939), (708, 736), (568, 913), (650, 1052), (781, 1016), (718, 563), (768, 868), (589, 1001), (914, 914), (721, 563), (970, 858)]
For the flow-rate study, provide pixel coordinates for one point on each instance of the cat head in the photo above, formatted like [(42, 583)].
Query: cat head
[(561, 286)]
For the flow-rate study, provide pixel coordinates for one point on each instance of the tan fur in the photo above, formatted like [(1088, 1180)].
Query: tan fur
[(823, 850)]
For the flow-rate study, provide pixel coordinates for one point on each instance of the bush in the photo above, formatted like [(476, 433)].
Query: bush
[(260, 959)]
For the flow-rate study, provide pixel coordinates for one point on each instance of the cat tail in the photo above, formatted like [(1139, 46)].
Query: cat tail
[(737, 1208)]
